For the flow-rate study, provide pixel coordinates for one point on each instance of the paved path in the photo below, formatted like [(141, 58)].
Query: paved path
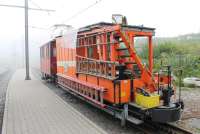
[(31, 108)]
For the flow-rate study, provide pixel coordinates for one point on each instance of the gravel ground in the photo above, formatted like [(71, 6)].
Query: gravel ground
[(191, 98), (191, 113), (4, 80), (99, 117)]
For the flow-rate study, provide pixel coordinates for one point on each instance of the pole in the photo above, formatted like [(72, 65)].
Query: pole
[(180, 82), (26, 8), (150, 55), (26, 40)]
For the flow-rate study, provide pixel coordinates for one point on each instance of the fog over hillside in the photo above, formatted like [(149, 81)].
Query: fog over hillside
[(168, 23), (12, 52)]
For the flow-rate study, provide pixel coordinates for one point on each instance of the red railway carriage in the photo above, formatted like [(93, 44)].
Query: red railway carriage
[(66, 53), (48, 62), (99, 64)]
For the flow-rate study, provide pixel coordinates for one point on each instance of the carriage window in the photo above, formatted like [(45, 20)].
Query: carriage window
[(46, 51), (90, 52), (41, 52), (54, 52)]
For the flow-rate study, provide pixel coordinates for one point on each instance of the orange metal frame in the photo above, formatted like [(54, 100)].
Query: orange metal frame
[(104, 69), (95, 62), (100, 67)]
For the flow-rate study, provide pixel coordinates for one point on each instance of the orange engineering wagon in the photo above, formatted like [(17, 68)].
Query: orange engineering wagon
[(99, 64)]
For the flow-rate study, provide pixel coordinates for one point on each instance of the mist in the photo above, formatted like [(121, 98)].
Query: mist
[(168, 23)]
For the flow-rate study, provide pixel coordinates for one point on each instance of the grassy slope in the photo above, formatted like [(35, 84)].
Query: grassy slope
[(182, 51)]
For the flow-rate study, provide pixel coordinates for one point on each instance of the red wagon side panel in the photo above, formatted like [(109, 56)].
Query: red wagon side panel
[(48, 59)]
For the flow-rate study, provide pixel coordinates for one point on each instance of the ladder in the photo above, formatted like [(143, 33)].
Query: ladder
[(127, 57)]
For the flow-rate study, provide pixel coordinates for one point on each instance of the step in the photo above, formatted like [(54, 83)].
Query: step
[(128, 70), (136, 74), (135, 67), (127, 73), (130, 62), (124, 56), (136, 70), (121, 49), (134, 120), (120, 67)]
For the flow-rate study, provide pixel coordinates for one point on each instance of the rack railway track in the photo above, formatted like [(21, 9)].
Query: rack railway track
[(155, 128)]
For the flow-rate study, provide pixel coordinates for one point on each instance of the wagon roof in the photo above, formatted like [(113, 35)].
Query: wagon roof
[(103, 24), (48, 43)]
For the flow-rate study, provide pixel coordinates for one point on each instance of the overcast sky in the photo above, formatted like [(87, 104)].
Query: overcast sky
[(169, 17)]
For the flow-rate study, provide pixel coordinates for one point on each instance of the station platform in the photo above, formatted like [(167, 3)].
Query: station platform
[(31, 108)]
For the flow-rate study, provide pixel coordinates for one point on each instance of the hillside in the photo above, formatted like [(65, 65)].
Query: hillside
[(179, 52)]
